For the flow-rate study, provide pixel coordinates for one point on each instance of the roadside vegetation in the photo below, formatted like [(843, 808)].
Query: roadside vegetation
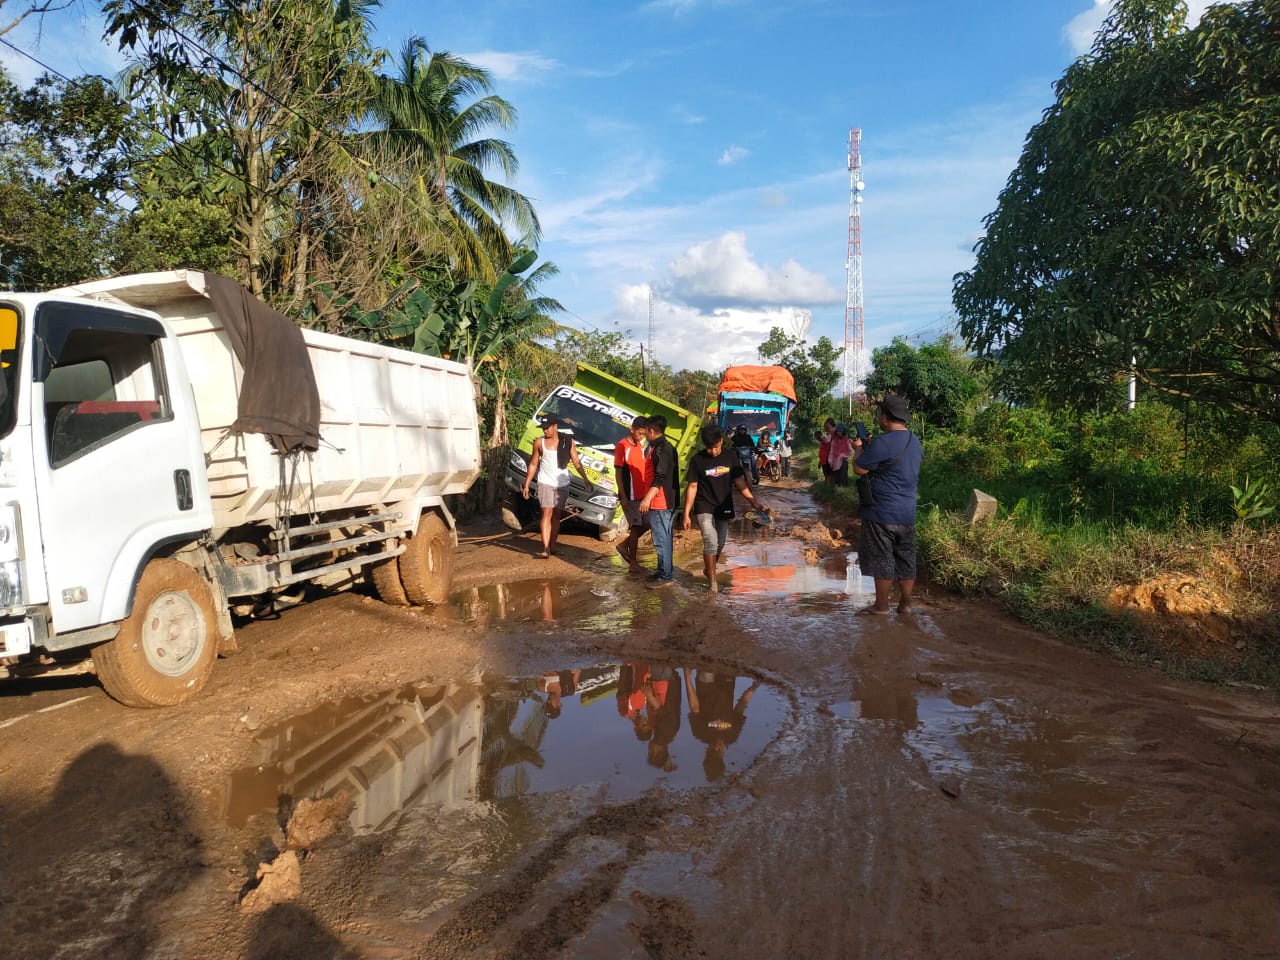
[(1111, 532), (1134, 253)]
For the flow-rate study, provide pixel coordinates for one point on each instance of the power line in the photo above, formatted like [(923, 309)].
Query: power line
[(35, 60)]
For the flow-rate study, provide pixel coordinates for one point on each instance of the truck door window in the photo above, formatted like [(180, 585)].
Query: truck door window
[(102, 375), (9, 320)]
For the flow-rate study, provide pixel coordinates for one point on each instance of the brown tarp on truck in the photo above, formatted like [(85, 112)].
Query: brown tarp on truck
[(278, 397)]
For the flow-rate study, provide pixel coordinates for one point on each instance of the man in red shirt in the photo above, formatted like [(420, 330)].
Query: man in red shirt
[(634, 473)]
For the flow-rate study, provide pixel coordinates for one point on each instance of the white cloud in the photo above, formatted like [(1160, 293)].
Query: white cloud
[(732, 155), (511, 66), (1082, 28), (689, 338), (684, 114), (722, 273)]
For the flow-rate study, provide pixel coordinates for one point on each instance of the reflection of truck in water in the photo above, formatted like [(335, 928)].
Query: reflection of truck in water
[(760, 398), (596, 410), (140, 505)]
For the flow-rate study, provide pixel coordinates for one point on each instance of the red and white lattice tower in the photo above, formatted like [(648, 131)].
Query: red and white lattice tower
[(853, 341)]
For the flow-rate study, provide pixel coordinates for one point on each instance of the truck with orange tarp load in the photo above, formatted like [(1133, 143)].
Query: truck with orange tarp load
[(761, 398)]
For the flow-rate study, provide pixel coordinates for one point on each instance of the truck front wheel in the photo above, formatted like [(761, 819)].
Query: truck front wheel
[(165, 650), (426, 566)]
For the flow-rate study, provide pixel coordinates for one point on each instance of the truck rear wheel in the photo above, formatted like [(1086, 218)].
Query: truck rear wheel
[(165, 650), (426, 566), (386, 580)]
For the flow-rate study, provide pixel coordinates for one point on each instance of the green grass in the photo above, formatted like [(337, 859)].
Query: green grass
[(1054, 566)]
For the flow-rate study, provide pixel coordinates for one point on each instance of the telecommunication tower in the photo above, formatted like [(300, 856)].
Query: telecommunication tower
[(853, 341)]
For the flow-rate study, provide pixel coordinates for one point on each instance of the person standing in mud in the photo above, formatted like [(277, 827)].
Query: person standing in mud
[(552, 455), (708, 496), (784, 453), (887, 543), (715, 717), (839, 451), (659, 501), (824, 448), (633, 471)]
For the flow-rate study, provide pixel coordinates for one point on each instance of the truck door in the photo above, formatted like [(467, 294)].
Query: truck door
[(123, 468)]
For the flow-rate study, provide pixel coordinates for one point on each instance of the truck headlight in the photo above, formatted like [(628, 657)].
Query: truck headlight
[(10, 557), (517, 461), (608, 503)]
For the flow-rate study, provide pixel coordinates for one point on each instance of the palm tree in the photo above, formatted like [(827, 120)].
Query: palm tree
[(427, 118)]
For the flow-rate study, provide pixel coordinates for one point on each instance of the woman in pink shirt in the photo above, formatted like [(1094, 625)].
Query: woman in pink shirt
[(838, 455)]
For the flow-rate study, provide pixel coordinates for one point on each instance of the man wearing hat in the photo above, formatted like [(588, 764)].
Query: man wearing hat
[(887, 544), (552, 455)]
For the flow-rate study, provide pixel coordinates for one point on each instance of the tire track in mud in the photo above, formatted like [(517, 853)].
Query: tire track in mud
[(480, 926)]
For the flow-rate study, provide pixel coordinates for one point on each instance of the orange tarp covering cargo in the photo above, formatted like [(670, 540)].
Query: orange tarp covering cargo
[(759, 380)]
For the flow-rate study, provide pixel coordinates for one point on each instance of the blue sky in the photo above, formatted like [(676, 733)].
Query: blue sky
[(692, 154)]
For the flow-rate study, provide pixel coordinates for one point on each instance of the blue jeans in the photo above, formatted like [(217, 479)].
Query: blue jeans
[(660, 523)]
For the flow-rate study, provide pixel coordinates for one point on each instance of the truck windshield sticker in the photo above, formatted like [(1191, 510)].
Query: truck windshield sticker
[(591, 421)]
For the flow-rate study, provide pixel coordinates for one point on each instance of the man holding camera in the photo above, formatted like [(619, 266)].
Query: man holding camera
[(887, 544)]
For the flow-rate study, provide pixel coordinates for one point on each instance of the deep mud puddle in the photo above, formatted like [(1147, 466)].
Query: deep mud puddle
[(616, 730)]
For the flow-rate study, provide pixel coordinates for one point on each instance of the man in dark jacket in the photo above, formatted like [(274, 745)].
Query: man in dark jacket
[(744, 445), (659, 503), (887, 544)]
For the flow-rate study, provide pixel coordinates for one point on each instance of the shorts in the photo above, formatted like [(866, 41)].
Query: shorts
[(715, 533), (887, 551), (631, 510), (549, 496)]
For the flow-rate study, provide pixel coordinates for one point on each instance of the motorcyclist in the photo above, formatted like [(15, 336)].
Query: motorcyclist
[(764, 448), (745, 448)]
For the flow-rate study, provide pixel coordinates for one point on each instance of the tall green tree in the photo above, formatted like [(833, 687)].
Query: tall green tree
[(1140, 231), (61, 171), (813, 367), (430, 116), (936, 379), (256, 101)]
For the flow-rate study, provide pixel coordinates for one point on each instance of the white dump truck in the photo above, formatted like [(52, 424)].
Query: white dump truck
[(144, 499)]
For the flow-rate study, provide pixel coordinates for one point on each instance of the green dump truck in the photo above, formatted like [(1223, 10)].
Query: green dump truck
[(596, 410)]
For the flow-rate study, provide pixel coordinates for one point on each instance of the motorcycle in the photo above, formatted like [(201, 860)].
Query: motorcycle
[(770, 464)]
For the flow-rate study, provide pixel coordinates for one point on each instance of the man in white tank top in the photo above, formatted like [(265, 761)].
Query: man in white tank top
[(552, 472)]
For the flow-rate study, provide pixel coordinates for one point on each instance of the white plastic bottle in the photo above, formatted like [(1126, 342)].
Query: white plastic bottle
[(853, 576)]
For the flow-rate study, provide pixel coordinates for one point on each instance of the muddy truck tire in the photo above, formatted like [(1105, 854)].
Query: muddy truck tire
[(426, 566), (385, 577), (165, 650)]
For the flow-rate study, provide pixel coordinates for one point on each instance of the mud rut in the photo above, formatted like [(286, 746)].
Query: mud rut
[(943, 785)]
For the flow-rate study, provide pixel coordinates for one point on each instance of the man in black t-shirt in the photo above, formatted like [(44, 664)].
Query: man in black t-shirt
[(712, 475)]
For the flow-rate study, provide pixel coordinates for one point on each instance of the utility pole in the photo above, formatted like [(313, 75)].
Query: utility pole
[(853, 334)]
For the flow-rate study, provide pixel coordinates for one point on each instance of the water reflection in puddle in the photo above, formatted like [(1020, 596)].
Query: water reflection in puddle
[(525, 600), (782, 568), (619, 728), (1019, 757)]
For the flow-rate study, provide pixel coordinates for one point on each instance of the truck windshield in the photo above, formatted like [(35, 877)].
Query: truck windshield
[(9, 321), (754, 420), (592, 422)]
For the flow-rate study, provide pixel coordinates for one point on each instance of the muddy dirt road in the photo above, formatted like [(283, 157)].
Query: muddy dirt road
[(560, 763)]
